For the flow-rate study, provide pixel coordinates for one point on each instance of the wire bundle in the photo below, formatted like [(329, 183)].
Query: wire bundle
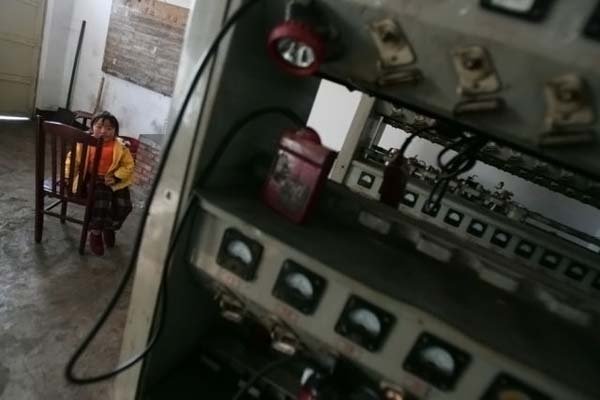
[(465, 159)]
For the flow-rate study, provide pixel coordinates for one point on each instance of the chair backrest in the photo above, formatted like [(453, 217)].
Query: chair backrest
[(63, 139), (132, 144)]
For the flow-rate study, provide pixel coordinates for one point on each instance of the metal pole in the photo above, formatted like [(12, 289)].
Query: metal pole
[(75, 63)]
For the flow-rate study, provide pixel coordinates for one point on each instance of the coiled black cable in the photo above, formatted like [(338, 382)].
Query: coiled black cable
[(461, 162)]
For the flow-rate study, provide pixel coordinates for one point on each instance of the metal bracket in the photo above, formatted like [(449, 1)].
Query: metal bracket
[(569, 112), (393, 46), (477, 79), (568, 103), (476, 72)]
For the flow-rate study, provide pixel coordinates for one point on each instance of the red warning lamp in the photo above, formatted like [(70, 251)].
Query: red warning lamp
[(299, 44)]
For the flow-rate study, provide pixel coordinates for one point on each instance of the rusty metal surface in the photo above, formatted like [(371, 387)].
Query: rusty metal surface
[(526, 56)]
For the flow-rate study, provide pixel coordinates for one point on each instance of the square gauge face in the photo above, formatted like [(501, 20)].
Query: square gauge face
[(508, 387), (299, 287), (437, 361), (239, 254), (365, 323), (533, 10)]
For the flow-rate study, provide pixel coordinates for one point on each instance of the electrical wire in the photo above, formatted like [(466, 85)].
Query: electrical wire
[(461, 162), (261, 373), (69, 370), (238, 126), (410, 139)]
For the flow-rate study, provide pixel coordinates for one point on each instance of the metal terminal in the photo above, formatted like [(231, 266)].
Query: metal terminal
[(541, 166), (231, 308), (476, 72), (566, 175), (284, 340), (490, 148), (515, 157), (568, 103), (393, 392), (393, 46), (569, 112)]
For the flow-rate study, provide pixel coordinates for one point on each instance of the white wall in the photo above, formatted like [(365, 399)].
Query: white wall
[(139, 110), (332, 113), (51, 90)]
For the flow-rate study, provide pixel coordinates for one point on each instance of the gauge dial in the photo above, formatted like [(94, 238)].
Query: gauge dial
[(364, 323), (367, 320), (507, 387), (299, 287), (240, 250), (436, 361), (239, 254), (440, 359), (301, 284), (533, 10), (520, 6)]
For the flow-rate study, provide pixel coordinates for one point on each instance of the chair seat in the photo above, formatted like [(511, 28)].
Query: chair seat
[(52, 193)]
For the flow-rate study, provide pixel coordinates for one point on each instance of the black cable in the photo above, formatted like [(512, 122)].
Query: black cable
[(407, 143), (410, 139), (463, 161), (261, 373), (238, 126), (69, 370)]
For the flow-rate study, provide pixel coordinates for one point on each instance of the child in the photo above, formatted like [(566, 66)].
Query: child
[(112, 200)]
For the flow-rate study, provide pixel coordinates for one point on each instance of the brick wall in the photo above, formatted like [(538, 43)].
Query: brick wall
[(146, 160), (143, 44)]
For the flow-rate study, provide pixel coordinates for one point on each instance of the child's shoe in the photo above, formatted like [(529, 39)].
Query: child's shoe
[(109, 238), (96, 243)]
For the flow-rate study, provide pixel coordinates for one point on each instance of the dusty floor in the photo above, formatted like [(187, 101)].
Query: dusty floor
[(49, 294)]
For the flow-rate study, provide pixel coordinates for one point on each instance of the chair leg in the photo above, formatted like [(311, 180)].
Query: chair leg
[(39, 218), (82, 240), (84, 230), (63, 212)]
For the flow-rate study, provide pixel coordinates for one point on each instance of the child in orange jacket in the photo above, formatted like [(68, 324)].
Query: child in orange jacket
[(112, 199)]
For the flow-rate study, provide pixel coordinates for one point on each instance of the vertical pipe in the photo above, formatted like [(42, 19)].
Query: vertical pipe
[(75, 63)]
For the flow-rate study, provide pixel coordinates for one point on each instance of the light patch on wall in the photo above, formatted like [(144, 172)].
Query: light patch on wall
[(12, 118)]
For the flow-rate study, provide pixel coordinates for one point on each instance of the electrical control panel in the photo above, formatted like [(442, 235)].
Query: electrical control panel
[(355, 308), (456, 292)]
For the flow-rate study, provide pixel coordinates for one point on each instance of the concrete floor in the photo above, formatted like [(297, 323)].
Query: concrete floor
[(49, 294)]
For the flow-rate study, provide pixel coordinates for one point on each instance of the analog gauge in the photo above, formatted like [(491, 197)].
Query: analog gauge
[(364, 323), (300, 283), (436, 361), (507, 387), (533, 10), (367, 320), (240, 250), (440, 359), (519, 6), (299, 287), (239, 254), (513, 395)]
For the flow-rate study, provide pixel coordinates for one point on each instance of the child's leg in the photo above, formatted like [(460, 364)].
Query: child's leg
[(101, 211), (100, 217), (121, 207)]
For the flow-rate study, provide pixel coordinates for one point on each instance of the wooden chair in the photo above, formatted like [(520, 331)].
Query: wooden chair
[(61, 139)]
